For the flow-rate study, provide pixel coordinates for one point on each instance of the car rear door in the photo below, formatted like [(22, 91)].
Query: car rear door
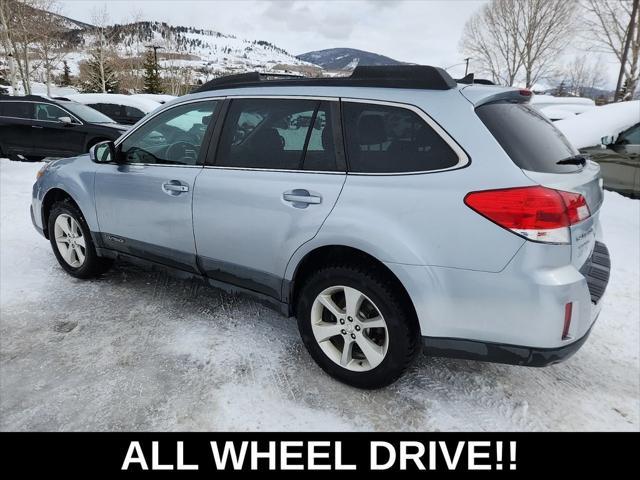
[(143, 203), (276, 174), (18, 135)]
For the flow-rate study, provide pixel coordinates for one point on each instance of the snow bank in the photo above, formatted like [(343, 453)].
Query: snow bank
[(557, 113), (586, 129), (143, 104)]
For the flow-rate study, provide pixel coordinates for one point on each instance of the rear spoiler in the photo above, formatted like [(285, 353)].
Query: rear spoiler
[(483, 94)]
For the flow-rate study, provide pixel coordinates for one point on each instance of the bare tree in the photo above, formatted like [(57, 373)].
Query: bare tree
[(518, 40), (50, 46), (490, 38), (101, 51), (583, 76), (19, 20), (609, 24)]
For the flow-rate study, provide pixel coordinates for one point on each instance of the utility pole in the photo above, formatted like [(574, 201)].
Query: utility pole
[(625, 52), (155, 54)]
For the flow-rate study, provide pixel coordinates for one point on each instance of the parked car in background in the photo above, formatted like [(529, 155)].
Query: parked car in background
[(558, 108), (34, 127), (387, 210), (123, 109), (610, 135), (156, 97), (619, 160)]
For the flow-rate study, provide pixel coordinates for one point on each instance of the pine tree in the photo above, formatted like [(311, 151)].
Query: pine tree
[(66, 75), (151, 74)]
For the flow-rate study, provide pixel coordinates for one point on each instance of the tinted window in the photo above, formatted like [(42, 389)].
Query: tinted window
[(17, 109), (86, 113), (276, 133), (386, 139), (528, 137), (173, 137), (49, 113), (631, 136)]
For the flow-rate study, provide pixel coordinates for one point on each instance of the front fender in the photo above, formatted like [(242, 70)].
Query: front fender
[(75, 177)]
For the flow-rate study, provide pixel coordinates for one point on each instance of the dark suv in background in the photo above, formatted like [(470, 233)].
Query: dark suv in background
[(34, 127)]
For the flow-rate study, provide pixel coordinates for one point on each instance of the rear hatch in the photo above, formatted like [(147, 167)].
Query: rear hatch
[(546, 157)]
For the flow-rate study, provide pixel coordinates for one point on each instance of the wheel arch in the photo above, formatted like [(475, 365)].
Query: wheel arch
[(342, 254), (50, 198)]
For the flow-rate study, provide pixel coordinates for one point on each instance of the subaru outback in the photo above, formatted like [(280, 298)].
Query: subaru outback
[(391, 211)]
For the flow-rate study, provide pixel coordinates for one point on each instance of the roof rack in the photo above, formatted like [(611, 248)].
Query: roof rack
[(387, 76)]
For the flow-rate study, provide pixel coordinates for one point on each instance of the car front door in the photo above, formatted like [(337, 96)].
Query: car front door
[(629, 145), (57, 138), (272, 182), (143, 202)]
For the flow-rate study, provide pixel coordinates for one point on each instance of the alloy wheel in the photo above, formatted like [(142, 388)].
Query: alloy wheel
[(349, 328), (70, 240)]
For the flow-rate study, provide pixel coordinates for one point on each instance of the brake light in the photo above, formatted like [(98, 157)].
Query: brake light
[(536, 213)]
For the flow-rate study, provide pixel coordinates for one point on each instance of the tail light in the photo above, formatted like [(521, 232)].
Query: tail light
[(536, 213)]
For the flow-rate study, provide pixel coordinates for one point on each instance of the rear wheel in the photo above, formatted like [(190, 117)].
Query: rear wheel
[(71, 241), (355, 326)]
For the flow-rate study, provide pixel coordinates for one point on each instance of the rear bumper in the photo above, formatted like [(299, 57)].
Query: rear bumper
[(499, 352), (515, 316)]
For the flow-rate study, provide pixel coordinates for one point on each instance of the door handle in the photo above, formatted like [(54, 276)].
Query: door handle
[(301, 198), (37, 126), (174, 187)]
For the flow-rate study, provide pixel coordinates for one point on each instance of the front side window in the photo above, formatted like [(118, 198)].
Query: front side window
[(631, 136), (174, 137), (282, 134), (389, 139), (17, 109), (49, 113)]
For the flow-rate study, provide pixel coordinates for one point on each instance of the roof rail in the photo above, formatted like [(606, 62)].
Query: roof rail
[(387, 76), (25, 97)]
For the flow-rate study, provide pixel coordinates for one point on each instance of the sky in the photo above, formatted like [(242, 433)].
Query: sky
[(417, 31)]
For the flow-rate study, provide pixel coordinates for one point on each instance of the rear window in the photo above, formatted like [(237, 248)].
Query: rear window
[(529, 138), (388, 139)]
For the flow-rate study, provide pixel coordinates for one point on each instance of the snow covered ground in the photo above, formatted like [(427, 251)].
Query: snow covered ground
[(138, 350)]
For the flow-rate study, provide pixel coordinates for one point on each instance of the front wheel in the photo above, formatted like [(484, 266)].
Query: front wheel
[(71, 242), (356, 327)]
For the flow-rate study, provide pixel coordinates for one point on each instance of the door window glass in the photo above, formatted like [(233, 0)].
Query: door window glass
[(388, 139), (17, 109), (174, 137), (275, 133), (50, 113)]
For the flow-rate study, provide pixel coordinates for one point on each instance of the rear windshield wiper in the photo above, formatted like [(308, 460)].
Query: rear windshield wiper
[(574, 160)]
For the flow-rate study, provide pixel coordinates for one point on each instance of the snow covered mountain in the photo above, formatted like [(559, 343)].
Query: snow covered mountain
[(208, 53), (345, 58)]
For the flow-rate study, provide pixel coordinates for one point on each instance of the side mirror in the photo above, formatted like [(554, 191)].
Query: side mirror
[(65, 120), (606, 141), (103, 152)]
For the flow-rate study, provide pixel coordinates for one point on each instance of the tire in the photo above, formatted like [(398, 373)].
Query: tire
[(90, 265), (395, 345)]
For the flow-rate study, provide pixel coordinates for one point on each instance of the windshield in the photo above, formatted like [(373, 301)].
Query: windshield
[(87, 114), (529, 138)]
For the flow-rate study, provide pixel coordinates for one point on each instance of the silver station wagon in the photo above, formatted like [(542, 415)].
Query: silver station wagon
[(392, 211)]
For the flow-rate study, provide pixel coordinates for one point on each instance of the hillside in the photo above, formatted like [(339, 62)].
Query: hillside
[(345, 58)]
